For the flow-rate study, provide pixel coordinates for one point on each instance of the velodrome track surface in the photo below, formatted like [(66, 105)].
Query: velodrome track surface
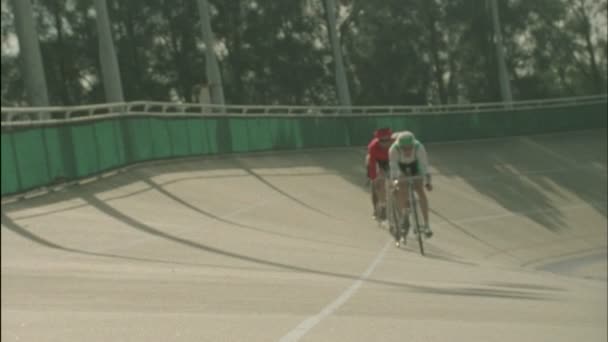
[(281, 247)]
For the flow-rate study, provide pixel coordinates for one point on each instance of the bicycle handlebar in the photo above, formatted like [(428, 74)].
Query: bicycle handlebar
[(405, 178)]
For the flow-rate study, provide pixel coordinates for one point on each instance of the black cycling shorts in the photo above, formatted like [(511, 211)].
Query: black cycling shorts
[(383, 165), (409, 169)]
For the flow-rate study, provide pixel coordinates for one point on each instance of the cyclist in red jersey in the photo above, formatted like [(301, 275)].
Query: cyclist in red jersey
[(376, 162)]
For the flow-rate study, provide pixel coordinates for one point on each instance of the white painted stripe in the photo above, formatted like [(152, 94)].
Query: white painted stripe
[(309, 323)]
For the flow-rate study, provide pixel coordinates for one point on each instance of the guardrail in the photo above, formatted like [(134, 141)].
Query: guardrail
[(18, 116), (43, 146)]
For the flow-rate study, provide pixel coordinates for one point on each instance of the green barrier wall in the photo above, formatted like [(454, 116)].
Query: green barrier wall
[(37, 156)]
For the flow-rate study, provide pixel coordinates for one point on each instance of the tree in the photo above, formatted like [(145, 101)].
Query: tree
[(277, 52)]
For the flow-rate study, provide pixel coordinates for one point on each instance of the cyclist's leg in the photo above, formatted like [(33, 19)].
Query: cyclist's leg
[(422, 199), (404, 204), (402, 198), (373, 193), (374, 198), (424, 204), (379, 199), (380, 186)]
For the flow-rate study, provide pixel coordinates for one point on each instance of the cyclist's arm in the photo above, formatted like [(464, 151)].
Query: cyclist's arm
[(423, 163)]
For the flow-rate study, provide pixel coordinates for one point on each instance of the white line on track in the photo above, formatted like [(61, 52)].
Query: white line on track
[(305, 326)]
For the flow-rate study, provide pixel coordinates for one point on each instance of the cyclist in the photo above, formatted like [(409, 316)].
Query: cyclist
[(376, 162), (408, 157)]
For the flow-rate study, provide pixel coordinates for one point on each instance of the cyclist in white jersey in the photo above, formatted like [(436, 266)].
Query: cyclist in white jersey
[(407, 156)]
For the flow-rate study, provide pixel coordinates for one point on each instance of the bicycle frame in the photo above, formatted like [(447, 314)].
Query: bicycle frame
[(394, 212)]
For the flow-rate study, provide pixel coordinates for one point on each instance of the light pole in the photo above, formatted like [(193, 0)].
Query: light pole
[(107, 55), (29, 54), (213, 71), (341, 82), (505, 86)]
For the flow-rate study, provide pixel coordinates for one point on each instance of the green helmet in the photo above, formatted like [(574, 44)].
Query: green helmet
[(405, 139)]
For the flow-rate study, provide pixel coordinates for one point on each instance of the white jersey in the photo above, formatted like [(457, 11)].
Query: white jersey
[(419, 156)]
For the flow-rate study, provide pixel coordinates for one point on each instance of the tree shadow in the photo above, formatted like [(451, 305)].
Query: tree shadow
[(147, 229), (520, 174), (526, 176), (22, 231), (233, 223), (525, 286), (435, 253), (242, 165), (145, 177), (509, 171)]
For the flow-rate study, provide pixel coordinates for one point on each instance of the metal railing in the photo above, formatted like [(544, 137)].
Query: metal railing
[(18, 116)]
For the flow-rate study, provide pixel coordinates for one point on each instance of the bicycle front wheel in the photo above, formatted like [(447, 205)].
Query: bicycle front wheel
[(393, 217), (414, 209)]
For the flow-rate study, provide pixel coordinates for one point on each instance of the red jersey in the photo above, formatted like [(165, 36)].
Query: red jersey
[(376, 153)]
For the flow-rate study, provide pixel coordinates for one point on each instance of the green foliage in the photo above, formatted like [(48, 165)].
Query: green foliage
[(277, 52)]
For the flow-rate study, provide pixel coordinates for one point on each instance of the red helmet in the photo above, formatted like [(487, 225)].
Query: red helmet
[(381, 133)]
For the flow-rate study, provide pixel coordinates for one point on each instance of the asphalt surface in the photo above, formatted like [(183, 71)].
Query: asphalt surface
[(281, 247)]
